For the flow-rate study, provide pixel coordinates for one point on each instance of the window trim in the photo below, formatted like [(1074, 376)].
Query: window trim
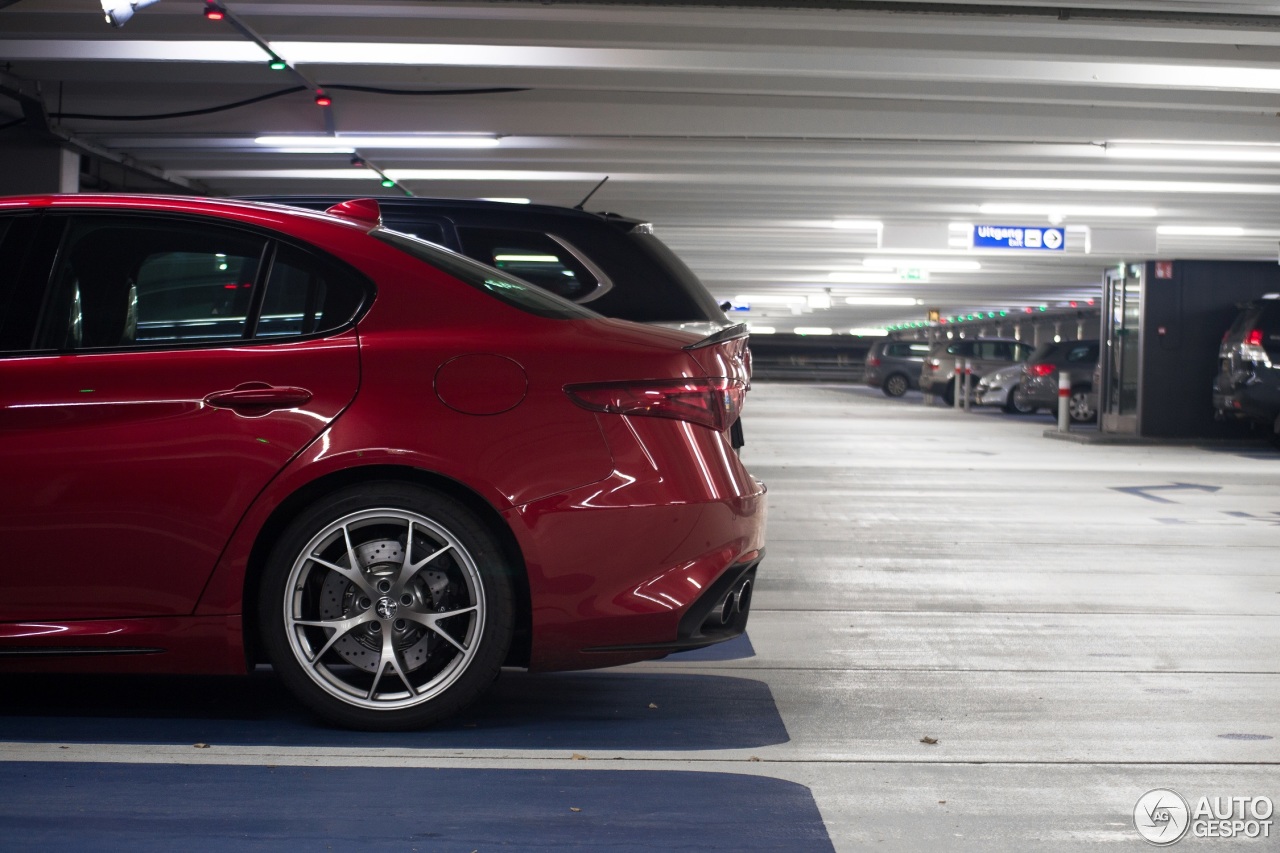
[(271, 241)]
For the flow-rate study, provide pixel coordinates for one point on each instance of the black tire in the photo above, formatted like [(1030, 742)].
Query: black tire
[(949, 393), (1078, 407), (895, 385), (419, 630), (1017, 404)]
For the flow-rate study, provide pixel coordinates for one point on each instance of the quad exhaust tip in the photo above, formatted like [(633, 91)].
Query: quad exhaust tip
[(738, 600)]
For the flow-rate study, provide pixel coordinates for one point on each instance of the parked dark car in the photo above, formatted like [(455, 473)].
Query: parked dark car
[(1039, 385), (240, 433), (894, 366), (1247, 386), (612, 264), (937, 374)]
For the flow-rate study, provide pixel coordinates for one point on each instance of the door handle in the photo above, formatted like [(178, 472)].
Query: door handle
[(259, 396)]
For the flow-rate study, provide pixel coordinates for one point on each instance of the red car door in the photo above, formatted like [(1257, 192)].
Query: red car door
[(178, 366)]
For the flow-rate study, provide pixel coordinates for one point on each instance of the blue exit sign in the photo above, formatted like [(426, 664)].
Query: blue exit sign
[(1018, 237)]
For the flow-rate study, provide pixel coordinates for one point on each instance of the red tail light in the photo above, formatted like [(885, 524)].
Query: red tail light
[(1254, 338), (1039, 369), (873, 362), (712, 402)]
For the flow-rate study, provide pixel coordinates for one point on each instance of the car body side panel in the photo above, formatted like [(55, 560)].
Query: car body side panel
[(209, 645), (148, 479)]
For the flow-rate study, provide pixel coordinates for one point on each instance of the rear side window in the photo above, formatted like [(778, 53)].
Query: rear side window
[(513, 291), (907, 350), (123, 281), (546, 260), (424, 229), (1082, 354), (144, 281), (307, 295)]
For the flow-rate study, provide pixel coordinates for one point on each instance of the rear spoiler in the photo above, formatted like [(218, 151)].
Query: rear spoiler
[(728, 334)]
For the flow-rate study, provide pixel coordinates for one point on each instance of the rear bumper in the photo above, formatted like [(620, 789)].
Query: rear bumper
[(1243, 404), (634, 567), (719, 614)]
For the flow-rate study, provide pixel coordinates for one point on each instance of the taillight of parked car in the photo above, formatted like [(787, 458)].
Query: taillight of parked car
[(1251, 348), (873, 362), (1039, 369), (933, 364), (714, 402)]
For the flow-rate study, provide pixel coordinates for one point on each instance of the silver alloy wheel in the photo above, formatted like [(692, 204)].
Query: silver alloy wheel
[(1078, 407), (896, 385), (1017, 403), (384, 609)]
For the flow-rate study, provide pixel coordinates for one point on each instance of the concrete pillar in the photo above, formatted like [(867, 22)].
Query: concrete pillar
[(32, 168)]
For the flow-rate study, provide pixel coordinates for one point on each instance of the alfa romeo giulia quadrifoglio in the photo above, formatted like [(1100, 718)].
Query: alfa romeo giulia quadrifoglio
[(240, 433)]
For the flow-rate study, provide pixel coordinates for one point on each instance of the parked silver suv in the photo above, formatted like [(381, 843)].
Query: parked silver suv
[(937, 374), (1039, 386), (894, 366)]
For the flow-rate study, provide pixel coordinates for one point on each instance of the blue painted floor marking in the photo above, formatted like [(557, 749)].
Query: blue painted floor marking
[(159, 808), (571, 711)]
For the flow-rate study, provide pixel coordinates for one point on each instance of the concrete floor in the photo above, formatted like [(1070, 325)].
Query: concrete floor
[(1074, 624)]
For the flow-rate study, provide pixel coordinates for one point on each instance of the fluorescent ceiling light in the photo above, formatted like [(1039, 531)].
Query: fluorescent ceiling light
[(864, 331), (768, 299), (886, 301), (889, 277), (528, 259), (761, 330), (928, 264), (966, 227), (1214, 152), (1200, 231), (814, 330), (118, 12), (347, 142), (360, 174), (857, 224), (819, 301), (508, 200), (1060, 210), (314, 150)]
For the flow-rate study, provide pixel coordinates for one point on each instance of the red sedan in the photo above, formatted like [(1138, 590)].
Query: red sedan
[(237, 432)]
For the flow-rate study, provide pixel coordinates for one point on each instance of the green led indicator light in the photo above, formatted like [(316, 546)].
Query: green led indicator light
[(277, 65)]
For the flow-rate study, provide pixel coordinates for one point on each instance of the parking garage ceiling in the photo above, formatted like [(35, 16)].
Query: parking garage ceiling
[(809, 160)]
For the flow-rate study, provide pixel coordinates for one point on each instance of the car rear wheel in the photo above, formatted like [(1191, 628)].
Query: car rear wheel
[(1078, 406), (1017, 403), (387, 607), (895, 385)]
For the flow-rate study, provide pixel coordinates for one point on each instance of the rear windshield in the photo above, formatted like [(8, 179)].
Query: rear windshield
[(507, 288)]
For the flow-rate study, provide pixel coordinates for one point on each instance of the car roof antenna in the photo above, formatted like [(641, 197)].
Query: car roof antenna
[(579, 205)]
